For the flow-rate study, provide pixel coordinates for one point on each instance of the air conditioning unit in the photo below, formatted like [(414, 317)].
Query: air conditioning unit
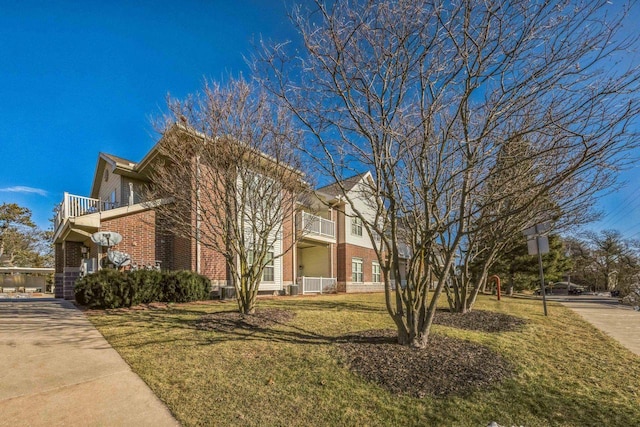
[(227, 292)]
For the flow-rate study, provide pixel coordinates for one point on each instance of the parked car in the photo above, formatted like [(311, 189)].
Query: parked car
[(575, 291), (615, 293)]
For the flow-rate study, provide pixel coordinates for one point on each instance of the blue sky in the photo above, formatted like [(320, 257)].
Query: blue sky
[(77, 78)]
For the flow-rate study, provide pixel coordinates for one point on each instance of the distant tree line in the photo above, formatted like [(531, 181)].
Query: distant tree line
[(22, 243)]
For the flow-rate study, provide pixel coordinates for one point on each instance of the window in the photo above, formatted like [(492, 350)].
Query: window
[(356, 226), (375, 269), (356, 270), (268, 273)]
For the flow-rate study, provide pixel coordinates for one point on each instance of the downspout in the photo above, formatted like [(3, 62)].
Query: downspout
[(294, 260), (198, 211), (331, 245)]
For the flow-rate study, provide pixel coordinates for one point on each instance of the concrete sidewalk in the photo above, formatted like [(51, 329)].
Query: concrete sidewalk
[(57, 369), (616, 320)]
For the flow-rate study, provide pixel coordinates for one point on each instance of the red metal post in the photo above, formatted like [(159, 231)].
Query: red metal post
[(497, 279)]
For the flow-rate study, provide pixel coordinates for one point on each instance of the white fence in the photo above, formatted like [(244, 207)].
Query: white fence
[(317, 285)]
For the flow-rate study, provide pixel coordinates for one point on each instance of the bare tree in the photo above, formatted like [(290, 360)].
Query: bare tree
[(228, 161), (605, 258), (425, 94)]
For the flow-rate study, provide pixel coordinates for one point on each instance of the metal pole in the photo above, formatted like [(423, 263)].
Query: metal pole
[(544, 291)]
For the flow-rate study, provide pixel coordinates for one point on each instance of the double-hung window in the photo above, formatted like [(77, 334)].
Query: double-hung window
[(356, 270), (268, 272), (356, 226), (375, 272)]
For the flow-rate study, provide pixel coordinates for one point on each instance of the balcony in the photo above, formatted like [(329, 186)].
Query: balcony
[(73, 206), (316, 228)]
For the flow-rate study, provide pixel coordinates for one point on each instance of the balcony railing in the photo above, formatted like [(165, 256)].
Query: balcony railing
[(317, 285), (315, 225), (73, 206)]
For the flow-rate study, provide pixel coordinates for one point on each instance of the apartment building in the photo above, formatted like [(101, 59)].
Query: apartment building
[(332, 251)]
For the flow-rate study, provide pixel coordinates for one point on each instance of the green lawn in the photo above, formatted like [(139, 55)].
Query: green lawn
[(566, 371)]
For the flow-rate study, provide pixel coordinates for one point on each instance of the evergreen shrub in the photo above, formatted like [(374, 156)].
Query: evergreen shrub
[(109, 288)]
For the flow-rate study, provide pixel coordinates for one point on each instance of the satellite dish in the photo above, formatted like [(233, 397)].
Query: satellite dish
[(119, 259), (106, 238)]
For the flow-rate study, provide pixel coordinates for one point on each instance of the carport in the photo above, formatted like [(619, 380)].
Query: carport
[(25, 281)]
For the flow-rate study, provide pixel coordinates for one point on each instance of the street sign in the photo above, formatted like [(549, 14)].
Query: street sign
[(538, 229), (537, 244)]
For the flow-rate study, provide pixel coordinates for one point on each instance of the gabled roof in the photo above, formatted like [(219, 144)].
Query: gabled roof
[(180, 129), (119, 162), (118, 165), (141, 170), (335, 189)]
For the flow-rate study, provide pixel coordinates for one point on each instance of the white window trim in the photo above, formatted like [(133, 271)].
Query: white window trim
[(355, 262), (271, 265), (375, 264), (357, 223)]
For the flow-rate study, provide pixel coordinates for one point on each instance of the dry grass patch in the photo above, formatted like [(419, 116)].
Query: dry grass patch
[(562, 371), (227, 321)]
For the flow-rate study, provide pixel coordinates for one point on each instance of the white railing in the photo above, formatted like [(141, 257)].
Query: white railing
[(317, 285), (73, 206), (313, 224)]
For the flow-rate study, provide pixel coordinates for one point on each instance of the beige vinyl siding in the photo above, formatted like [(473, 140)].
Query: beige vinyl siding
[(138, 190), (109, 186)]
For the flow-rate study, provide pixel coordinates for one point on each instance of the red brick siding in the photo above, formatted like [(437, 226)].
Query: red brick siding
[(138, 232), (287, 241), (181, 255), (345, 253), (213, 264)]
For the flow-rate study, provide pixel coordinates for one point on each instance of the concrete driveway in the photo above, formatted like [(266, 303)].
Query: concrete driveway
[(619, 321), (57, 369)]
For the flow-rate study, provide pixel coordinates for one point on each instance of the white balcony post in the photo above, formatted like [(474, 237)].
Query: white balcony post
[(66, 205)]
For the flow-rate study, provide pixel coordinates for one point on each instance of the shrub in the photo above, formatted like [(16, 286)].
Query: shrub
[(105, 289), (185, 286), (113, 289), (147, 286)]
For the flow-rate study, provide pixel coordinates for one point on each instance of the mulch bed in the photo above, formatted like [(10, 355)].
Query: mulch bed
[(447, 366), (227, 321), (479, 320)]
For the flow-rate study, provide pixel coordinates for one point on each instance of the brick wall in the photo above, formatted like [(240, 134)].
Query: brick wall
[(213, 264), (58, 282), (181, 254), (345, 253), (287, 259), (138, 232), (59, 258), (68, 257), (70, 275), (72, 254)]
